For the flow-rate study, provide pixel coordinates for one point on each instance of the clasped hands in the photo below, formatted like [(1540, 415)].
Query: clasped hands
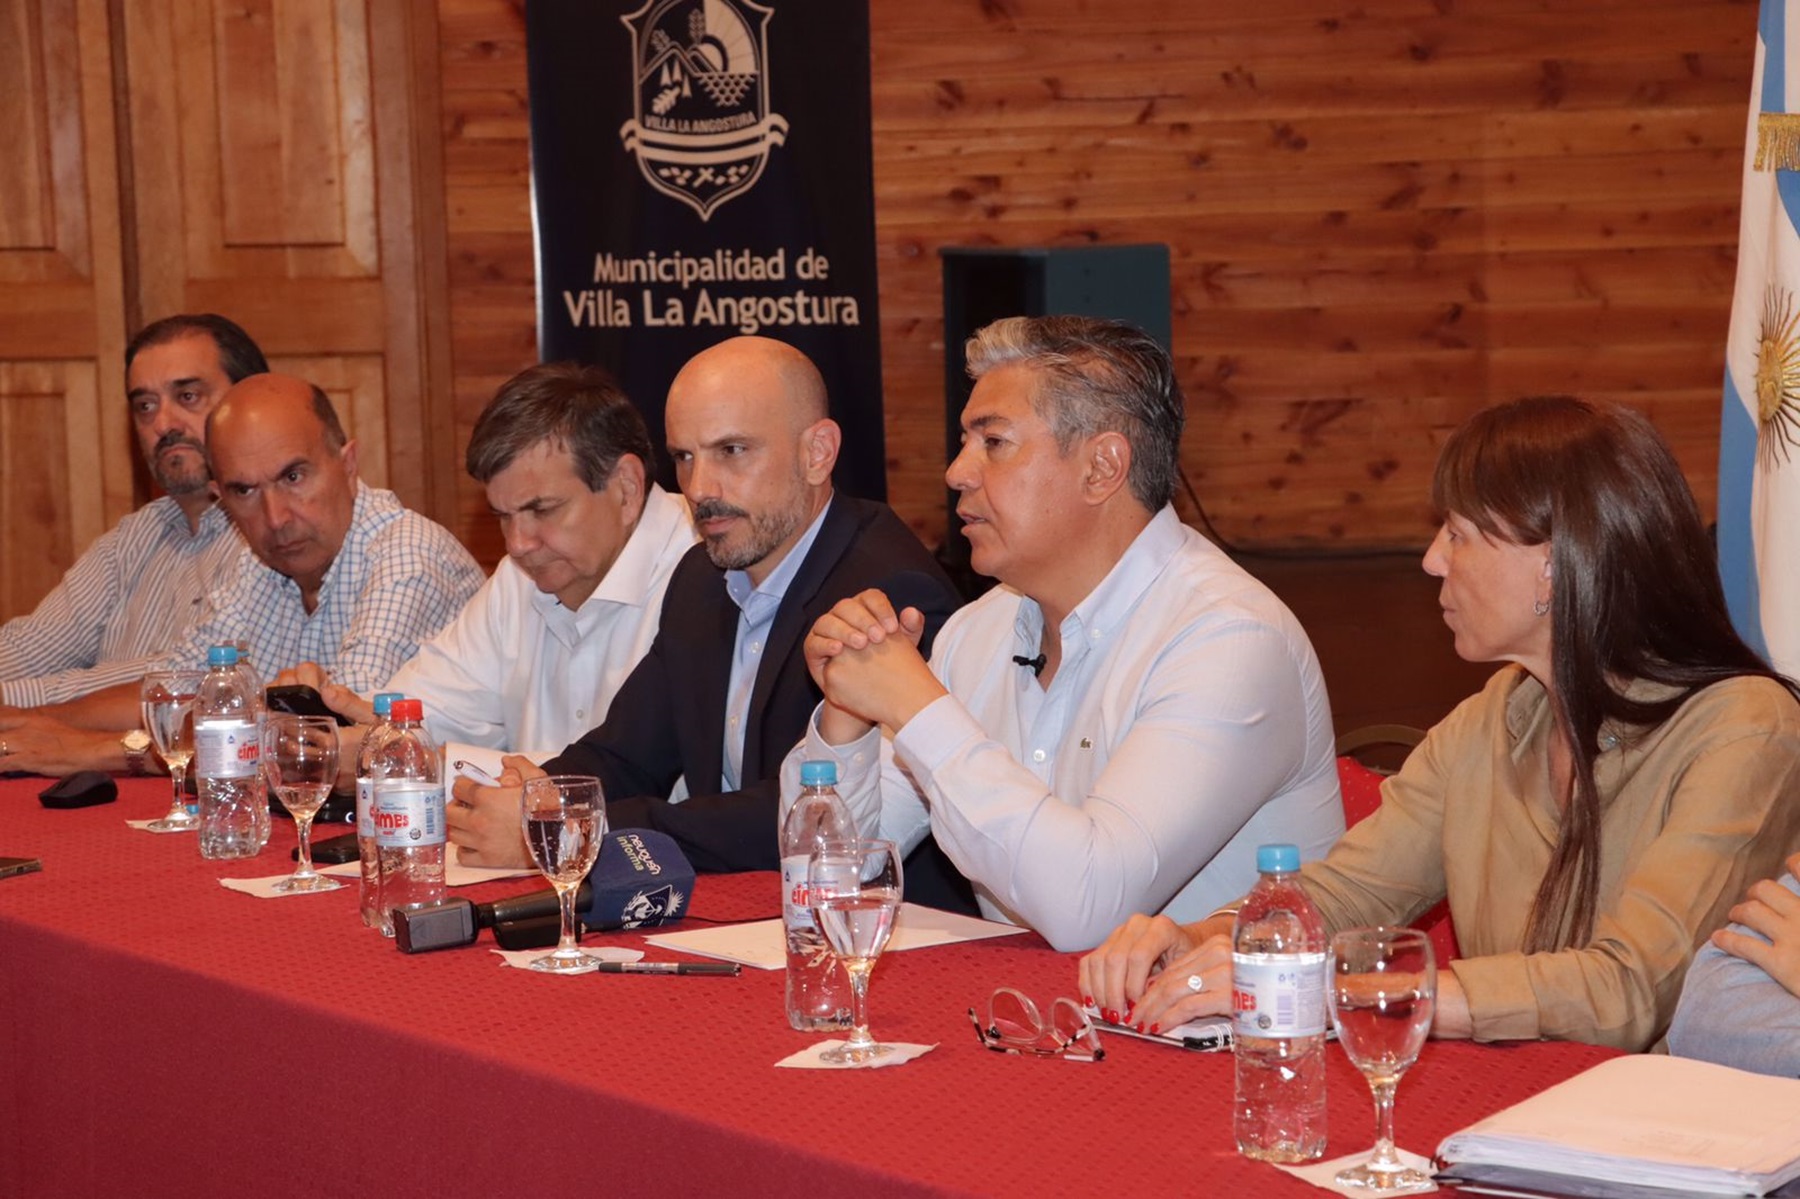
[(1153, 974), (865, 657)]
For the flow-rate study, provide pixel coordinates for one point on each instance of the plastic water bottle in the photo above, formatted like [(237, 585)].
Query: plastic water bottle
[(1278, 1006), (409, 815), (234, 806), (818, 991), (365, 814)]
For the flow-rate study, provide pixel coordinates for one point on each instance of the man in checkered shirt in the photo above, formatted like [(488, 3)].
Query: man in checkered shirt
[(335, 572)]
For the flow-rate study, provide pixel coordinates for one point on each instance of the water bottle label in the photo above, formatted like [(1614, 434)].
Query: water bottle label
[(409, 814), (365, 807), (1278, 994), (226, 749), (794, 910)]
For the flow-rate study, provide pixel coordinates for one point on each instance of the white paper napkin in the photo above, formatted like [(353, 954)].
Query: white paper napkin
[(263, 888), (143, 826), (1324, 1174), (808, 1058), (521, 959)]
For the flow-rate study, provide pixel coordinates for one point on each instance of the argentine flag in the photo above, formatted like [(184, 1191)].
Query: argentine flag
[(1759, 443)]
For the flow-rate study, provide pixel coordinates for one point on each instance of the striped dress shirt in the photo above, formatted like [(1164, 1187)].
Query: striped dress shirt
[(128, 597)]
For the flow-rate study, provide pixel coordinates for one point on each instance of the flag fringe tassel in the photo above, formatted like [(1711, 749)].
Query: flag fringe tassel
[(1778, 141)]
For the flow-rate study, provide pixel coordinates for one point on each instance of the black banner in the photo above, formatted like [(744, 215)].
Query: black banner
[(701, 169)]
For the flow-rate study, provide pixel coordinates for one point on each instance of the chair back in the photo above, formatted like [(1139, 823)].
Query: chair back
[(1361, 788)]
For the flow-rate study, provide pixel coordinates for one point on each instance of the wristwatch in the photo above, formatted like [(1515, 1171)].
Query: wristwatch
[(136, 745)]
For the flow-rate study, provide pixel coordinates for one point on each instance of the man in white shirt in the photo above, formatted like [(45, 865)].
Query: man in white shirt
[(535, 658), (1117, 727), (694, 742), (134, 590)]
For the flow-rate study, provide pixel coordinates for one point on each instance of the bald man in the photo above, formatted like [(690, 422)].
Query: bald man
[(334, 572), (694, 740)]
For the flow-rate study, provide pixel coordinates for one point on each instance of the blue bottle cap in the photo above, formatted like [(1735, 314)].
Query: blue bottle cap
[(222, 655), (1277, 859), (818, 774), (384, 702)]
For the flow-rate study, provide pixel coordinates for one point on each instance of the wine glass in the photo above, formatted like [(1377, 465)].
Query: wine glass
[(167, 700), (564, 817), (854, 887), (1383, 995), (300, 756)]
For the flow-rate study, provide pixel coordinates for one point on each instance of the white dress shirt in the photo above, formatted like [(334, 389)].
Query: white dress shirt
[(517, 671), (127, 598), (1186, 725)]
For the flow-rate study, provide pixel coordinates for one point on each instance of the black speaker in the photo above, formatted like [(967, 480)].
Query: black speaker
[(1125, 283)]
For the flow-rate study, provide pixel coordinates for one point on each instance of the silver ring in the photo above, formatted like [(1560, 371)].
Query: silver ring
[(1196, 983)]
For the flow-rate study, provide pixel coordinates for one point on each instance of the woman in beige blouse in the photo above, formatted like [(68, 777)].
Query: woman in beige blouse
[(1595, 810)]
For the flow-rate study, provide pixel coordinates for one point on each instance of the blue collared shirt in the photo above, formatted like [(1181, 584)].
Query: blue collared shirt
[(757, 607)]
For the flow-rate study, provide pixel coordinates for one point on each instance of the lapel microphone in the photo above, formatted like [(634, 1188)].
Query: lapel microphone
[(1037, 664)]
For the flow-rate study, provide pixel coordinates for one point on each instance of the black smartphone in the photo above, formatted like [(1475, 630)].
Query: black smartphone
[(297, 699), (333, 851), (12, 866)]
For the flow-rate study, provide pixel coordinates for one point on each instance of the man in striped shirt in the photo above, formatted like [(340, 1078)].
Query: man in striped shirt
[(334, 572), (141, 583)]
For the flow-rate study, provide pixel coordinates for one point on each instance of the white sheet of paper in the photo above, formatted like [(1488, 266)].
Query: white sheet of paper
[(760, 943), (486, 759), (455, 873)]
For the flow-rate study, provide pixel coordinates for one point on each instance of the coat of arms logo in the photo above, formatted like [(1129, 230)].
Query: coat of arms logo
[(703, 129)]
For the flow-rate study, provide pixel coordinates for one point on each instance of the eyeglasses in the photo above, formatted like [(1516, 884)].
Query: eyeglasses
[(1015, 1025)]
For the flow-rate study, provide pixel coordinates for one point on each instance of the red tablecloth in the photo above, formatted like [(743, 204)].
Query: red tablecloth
[(163, 1035)]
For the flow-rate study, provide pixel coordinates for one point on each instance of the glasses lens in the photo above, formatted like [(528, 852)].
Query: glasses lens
[(1013, 1017), (1068, 1021)]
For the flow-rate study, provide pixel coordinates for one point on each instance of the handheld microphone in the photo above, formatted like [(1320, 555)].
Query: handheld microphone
[(640, 879), (454, 922)]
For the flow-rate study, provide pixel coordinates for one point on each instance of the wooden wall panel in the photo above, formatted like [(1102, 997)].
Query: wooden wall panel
[(280, 179), (1381, 215), (65, 457), (49, 425)]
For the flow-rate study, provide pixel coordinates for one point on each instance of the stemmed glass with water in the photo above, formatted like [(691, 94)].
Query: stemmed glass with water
[(564, 817), (854, 887), (300, 758), (166, 698), (1383, 995)]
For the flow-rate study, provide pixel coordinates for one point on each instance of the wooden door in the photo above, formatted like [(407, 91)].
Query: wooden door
[(65, 454), (276, 161), (276, 167)]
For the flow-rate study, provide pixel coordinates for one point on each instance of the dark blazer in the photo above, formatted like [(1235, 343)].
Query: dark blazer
[(668, 719)]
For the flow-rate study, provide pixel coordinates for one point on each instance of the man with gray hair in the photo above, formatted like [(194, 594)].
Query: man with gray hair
[(533, 661), (1117, 728)]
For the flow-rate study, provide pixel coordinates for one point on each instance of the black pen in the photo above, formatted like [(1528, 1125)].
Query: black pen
[(669, 968), (1212, 1044)]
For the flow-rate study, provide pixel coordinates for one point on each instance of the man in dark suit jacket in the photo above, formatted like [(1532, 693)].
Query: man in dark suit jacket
[(753, 446)]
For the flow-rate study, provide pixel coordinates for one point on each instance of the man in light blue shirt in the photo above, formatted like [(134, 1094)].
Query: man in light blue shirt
[(1741, 1004), (1117, 727)]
